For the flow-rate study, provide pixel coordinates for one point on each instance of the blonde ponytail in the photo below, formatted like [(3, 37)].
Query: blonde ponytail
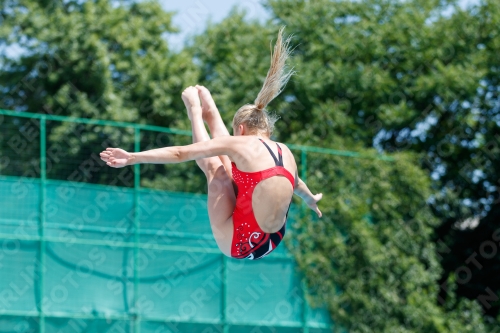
[(276, 78), (255, 116)]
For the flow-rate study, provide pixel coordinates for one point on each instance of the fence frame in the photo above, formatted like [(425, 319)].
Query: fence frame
[(134, 317)]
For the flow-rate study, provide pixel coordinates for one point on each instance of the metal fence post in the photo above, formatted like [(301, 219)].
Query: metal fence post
[(41, 230), (303, 172), (137, 184), (303, 165), (225, 327), (305, 310)]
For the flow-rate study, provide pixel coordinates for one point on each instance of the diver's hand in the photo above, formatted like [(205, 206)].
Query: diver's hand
[(116, 157), (312, 203)]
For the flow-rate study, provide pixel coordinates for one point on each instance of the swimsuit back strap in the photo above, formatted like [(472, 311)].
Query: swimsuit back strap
[(278, 162), (278, 171)]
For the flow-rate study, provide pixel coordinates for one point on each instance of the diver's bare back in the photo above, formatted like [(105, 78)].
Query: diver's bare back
[(272, 196)]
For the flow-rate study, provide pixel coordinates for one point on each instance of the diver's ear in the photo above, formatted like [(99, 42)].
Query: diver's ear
[(241, 129)]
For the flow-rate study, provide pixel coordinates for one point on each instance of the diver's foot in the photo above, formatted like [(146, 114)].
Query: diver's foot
[(208, 107)]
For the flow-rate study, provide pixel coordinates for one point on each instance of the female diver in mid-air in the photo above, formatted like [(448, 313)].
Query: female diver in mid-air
[(251, 223)]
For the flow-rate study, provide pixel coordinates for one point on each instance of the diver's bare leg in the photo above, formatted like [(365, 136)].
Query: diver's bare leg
[(214, 121), (221, 197)]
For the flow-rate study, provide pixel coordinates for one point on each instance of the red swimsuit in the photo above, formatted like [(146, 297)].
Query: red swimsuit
[(249, 241)]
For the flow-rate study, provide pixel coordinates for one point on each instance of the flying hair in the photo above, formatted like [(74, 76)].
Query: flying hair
[(277, 76), (255, 116)]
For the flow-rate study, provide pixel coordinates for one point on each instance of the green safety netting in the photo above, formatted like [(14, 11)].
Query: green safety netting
[(91, 259)]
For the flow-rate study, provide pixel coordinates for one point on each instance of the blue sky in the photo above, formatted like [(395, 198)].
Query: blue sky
[(192, 15)]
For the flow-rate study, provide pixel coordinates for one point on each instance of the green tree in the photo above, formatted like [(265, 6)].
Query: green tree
[(370, 258), (97, 59)]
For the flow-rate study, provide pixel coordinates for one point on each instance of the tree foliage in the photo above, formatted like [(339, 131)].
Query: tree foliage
[(370, 258), (96, 59)]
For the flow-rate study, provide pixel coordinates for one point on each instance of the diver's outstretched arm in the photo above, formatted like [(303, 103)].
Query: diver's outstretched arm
[(310, 199), (227, 145)]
